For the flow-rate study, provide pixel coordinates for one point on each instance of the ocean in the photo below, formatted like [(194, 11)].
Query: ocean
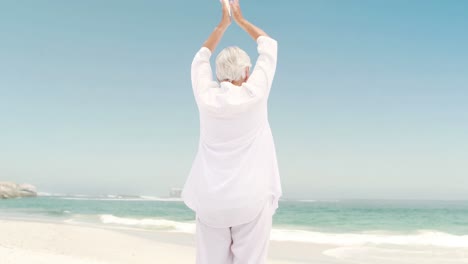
[(360, 229)]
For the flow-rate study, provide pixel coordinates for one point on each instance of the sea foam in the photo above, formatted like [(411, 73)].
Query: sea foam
[(419, 238), (123, 198), (149, 223)]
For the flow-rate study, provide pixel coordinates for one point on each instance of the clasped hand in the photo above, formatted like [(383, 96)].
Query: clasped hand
[(235, 11)]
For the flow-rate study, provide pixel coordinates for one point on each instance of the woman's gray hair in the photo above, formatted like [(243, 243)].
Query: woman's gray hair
[(231, 63)]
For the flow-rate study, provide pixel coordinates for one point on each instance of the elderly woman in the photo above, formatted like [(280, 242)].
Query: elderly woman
[(234, 183)]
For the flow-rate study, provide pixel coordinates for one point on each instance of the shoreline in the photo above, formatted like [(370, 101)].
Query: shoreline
[(27, 236), (54, 242)]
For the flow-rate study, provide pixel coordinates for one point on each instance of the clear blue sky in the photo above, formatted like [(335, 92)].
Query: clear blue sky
[(369, 101)]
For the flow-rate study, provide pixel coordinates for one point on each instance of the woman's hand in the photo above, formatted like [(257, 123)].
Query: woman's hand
[(226, 19), (236, 11), (253, 30)]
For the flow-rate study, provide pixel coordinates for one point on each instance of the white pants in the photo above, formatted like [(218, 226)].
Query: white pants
[(242, 244)]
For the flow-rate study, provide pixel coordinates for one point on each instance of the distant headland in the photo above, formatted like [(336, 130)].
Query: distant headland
[(14, 190)]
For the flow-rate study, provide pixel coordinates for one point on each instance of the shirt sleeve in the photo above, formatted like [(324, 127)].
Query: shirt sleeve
[(202, 75), (261, 80)]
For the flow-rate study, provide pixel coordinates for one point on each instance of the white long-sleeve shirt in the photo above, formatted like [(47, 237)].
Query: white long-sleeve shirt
[(235, 170)]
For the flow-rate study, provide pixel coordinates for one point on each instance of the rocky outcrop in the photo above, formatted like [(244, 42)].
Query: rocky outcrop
[(13, 190)]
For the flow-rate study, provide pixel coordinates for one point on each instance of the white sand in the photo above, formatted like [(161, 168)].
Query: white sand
[(21, 242), (26, 242)]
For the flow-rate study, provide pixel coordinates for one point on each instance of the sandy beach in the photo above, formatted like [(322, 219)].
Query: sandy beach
[(40, 242), (53, 230)]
